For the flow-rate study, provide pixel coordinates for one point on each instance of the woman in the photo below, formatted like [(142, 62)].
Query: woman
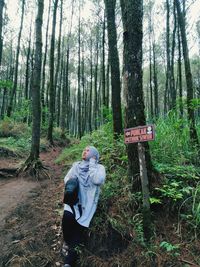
[(76, 220)]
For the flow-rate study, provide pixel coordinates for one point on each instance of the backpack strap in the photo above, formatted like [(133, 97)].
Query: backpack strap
[(80, 210), (73, 210)]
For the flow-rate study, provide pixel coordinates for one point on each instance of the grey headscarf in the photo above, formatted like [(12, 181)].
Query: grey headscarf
[(83, 166)]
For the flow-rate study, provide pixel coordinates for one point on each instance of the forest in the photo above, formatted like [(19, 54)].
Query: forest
[(82, 72)]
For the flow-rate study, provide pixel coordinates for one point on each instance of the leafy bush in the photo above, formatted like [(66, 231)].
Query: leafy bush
[(8, 127), (172, 144)]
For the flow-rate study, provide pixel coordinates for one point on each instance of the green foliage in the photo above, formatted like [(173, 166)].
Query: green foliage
[(8, 127), (174, 190), (173, 249), (190, 210), (22, 110), (177, 186), (6, 84), (18, 145), (172, 144), (15, 135)]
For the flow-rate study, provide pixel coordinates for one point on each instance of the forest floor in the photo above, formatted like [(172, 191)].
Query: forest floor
[(30, 215)]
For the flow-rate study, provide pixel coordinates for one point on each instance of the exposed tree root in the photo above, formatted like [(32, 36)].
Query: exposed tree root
[(35, 168), (5, 152), (7, 172)]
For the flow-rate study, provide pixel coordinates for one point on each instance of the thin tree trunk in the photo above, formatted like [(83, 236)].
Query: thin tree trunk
[(95, 107), (189, 82), (84, 92), (150, 64), (155, 80), (167, 84), (172, 79), (180, 75), (108, 82), (1, 27), (51, 81), (57, 90), (150, 80), (13, 91), (103, 65), (43, 67), (27, 75), (65, 109), (79, 78), (91, 83), (114, 62)]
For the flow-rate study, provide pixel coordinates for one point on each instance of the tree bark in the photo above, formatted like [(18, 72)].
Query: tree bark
[(91, 85), (133, 88), (189, 81), (103, 65), (114, 63), (79, 79), (57, 89), (180, 75), (167, 84), (1, 27), (44, 66), (51, 81), (13, 91), (36, 107)]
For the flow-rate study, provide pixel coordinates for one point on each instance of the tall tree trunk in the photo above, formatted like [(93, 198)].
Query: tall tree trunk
[(167, 84), (189, 82), (155, 81), (84, 91), (132, 17), (65, 88), (27, 75), (95, 106), (13, 91), (172, 79), (114, 63), (108, 82), (36, 107), (1, 27), (150, 61), (57, 90), (151, 80), (91, 83), (79, 78), (51, 81), (103, 65), (180, 75), (43, 67), (133, 88)]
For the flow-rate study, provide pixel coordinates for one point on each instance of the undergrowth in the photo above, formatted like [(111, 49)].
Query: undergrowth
[(119, 209)]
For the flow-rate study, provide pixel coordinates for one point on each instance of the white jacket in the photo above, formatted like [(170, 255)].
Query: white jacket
[(88, 195)]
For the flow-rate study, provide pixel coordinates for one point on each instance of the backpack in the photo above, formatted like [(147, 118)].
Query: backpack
[(71, 192)]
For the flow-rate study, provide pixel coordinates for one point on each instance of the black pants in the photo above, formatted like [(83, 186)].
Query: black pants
[(73, 234)]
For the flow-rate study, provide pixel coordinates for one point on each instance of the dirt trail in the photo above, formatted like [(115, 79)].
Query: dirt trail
[(13, 192), (30, 216)]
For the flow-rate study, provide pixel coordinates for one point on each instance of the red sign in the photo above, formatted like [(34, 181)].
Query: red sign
[(139, 134)]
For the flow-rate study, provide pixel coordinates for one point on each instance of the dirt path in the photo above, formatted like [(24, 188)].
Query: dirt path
[(13, 192), (30, 217)]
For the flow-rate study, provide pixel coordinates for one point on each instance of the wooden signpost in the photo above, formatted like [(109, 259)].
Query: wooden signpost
[(139, 135)]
